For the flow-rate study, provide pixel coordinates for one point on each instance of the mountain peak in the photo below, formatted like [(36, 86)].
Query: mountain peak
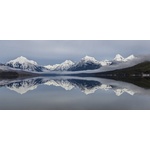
[(22, 60), (22, 57), (86, 63), (118, 55), (25, 64), (61, 67), (130, 57), (105, 62), (119, 58), (68, 62), (88, 58)]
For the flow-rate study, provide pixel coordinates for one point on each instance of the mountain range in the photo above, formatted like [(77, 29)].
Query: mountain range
[(86, 63), (135, 70)]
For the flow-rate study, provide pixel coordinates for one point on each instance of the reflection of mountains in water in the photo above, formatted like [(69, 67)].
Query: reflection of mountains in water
[(86, 85)]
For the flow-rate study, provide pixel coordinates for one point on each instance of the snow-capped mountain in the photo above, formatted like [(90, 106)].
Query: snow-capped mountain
[(131, 57), (25, 64), (93, 60), (90, 63), (105, 63), (60, 67), (86, 63), (89, 59), (120, 58), (22, 60)]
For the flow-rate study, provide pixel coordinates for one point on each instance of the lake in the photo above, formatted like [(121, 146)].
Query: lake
[(72, 93)]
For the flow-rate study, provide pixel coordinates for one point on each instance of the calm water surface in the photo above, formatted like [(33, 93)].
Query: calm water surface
[(67, 93)]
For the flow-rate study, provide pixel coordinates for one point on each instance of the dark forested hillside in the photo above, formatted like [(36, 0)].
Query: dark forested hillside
[(15, 74), (137, 70)]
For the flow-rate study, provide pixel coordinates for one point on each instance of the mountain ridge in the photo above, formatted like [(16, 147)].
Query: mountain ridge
[(86, 63)]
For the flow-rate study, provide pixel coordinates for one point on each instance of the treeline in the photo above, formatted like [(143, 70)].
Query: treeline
[(15, 74), (136, 71), (9, 75)]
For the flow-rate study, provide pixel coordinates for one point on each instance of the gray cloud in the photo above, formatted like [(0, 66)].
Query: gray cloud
[(50, 52)]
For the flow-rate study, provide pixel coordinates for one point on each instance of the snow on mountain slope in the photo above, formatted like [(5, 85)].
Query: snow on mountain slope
[(122, 59), (86, 63), (25, 64), (119, 58), (105, 63), (92, 59), (60, 67), (22, 60), (89, 59), (131, 57), (90, 63)]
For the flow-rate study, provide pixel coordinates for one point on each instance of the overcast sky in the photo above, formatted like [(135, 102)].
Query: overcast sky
[(51, 52)]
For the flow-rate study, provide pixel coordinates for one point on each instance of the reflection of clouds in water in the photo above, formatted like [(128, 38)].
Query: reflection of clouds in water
[(86, 85)]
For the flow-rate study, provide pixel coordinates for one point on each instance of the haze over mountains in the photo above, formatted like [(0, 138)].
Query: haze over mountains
[(86, 63)]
